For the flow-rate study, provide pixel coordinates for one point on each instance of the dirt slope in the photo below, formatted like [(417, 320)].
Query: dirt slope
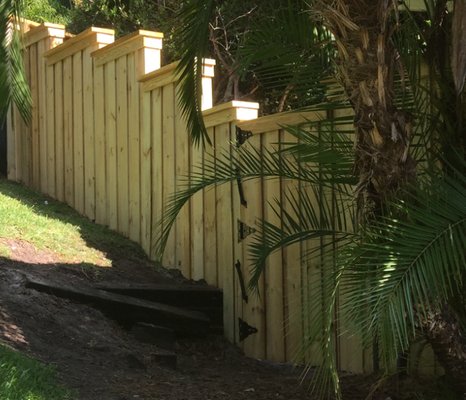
[(102, 361)]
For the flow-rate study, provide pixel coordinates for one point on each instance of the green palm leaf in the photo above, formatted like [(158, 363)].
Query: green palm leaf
[(251, 163), (193, 41), (409, 263), (13, 83)]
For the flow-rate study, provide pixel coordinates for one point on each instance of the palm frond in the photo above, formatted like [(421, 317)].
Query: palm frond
[(408, 263), (289, 52), (309, 214), (13, 83), (252, 163), (193, 41)]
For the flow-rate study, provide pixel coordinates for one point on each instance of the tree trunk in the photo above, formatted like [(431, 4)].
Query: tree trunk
[(367, 63), (366, 66), (444, 333)]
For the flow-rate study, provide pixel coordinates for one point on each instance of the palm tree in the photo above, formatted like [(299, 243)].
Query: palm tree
[(401, 259), (13, 83)]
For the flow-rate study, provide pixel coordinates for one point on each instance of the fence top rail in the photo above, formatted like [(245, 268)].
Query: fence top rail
[(45, 30), (79, 42), (168, 74), (128, 44), (277, 121), (230, 112)]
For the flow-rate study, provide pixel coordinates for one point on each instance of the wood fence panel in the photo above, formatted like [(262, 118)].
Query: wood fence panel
[(25, 132), (122, 144), (101, 216), (254, 309), (34, 125), (197, 220), (157, 160), (59, 146), (78, 132), (18, 126), (210, 223), (134, 161), (237, 262), (88, 131), (111, 145), (226, 236), (42, 46), (68, 129), (292, 275), (148, 60), (169, 165), (224, 223), (50, 133), (183, 162), (274, 285), (146, 173), (11, 146)]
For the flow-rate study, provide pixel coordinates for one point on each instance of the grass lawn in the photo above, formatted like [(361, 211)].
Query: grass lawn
[(22, 378), (55, 227)]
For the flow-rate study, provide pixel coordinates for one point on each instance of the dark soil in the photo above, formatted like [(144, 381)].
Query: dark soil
[(101, 361)]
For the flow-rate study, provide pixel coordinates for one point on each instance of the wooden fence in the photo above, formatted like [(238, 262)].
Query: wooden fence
[(107, 138)]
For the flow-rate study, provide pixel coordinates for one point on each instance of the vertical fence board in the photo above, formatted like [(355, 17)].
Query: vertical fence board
[(225, 237), (157, 162), (210, 224), (50, 120), (25, 132), (78, 134), (68, 129), (134, 151), (146, 173), (35, 142), (59, 149), (275, 350), (122, 143), (293, 283), (11, 146), (224, 227), (197, 221), (42, 110), (237, 253), (111, 145), (169, 164), (254, 310), (18, 126), (88, 127), (183, 233), (100, 153)]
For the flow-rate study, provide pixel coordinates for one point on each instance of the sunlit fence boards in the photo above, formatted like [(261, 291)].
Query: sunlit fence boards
[(107, 137)]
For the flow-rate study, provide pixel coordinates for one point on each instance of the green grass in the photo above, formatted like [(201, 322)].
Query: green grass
[(54, 227), (22, 378)]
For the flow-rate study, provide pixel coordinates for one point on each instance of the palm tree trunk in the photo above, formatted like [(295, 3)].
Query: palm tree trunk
[(444, 333), (367, 65), (363, 30)]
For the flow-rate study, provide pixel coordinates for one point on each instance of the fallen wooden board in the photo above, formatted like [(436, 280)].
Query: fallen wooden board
[(177, 295), (205, 299), (127, 309)]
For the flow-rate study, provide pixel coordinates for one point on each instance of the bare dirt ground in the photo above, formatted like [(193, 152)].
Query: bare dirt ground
[(101, 361)]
